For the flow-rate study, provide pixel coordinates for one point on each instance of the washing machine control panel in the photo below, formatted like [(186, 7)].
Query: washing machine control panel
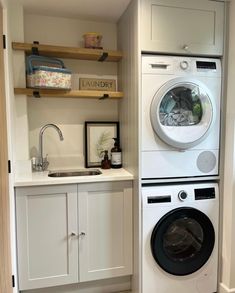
[(182, 195), (184, 65)]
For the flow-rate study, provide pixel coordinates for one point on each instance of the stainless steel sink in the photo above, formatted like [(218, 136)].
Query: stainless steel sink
[(74, 173)]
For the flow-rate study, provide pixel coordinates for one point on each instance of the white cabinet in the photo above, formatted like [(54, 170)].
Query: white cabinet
[(182, 26), (73, 233), (105, 219), (47, 249)]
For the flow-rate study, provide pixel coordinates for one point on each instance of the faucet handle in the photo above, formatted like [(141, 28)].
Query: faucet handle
[(45, 163), (39, 164)]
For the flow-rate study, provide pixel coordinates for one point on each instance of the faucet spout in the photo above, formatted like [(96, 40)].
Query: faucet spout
[(42, 162)]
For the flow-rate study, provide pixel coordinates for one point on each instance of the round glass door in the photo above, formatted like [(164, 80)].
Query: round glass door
[(182, 241), (182, 113)]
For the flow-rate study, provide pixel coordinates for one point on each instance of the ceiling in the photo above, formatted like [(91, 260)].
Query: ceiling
[(96, 10)]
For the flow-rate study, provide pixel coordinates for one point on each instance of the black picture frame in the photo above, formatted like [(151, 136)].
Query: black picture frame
[(99, 137)]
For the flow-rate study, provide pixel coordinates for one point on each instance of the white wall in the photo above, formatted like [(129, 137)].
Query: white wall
[(69, 114), (19, 105), (228, 248)]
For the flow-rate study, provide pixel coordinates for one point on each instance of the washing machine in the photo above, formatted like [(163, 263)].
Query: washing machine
[(180, 238), (180, 116)]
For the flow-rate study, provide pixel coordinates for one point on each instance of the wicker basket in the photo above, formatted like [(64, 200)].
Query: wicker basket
[(44, 72)]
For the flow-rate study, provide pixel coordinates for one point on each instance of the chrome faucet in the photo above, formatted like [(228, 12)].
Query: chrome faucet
[(41, 163)]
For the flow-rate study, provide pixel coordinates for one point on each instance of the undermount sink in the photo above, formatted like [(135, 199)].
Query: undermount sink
[(74, 173)]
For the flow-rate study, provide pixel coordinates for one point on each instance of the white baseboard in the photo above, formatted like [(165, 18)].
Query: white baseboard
[(120, 284), (224, 289)]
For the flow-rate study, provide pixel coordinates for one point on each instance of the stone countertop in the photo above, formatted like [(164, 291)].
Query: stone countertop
[(41, 178)]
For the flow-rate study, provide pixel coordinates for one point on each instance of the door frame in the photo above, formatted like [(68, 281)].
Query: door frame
[(5, 245)]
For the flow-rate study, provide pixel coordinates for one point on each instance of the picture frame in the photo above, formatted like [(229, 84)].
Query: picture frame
[(98, 138)]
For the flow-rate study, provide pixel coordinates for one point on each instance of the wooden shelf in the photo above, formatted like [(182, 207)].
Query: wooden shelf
[(70, 52), (68, 93)]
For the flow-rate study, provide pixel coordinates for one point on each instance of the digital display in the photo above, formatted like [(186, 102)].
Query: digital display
[(205, 65), (204, 193)]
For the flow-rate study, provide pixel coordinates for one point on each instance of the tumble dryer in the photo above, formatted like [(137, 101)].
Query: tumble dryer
[(180, 238), (180, 116)]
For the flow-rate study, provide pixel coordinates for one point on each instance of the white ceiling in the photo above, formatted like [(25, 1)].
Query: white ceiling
[(97, 10)]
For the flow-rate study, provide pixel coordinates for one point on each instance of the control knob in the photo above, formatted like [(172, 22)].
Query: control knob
[(184, 65), (182, 195)]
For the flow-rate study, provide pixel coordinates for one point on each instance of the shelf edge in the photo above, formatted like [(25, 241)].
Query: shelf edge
[(68, 93)]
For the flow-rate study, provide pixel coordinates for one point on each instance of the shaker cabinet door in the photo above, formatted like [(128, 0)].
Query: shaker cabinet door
[(182, 26), (47, 244), (105, 230)]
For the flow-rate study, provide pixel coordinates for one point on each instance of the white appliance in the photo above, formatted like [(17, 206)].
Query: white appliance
[(180, 116), (180, 238)]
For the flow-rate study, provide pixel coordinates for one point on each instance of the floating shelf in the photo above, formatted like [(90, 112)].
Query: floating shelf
[(70, 52), (68, 93)]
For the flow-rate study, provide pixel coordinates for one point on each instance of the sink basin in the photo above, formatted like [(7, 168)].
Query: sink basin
[(74, 173)]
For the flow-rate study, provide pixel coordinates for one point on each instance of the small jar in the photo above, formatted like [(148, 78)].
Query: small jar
[(92, 40)]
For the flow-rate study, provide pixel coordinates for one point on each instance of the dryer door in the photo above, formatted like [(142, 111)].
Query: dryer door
[(182, 113), (182, 241)]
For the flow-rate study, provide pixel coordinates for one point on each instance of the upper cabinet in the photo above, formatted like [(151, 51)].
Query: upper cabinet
[(185, 27)]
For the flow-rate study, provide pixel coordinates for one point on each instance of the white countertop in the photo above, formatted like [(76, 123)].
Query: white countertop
[(41, 178)]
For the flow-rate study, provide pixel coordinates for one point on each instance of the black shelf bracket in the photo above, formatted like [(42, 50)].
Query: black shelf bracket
[(36, 94), (35, 49), (103, 57), (105, 96)]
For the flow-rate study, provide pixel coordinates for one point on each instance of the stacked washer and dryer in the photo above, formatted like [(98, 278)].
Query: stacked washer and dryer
[(180, 162)]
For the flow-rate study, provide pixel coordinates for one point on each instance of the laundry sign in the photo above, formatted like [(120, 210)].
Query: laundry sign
[(97, 84)]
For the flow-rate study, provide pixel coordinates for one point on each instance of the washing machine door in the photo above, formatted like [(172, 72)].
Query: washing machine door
[(182, 112), (182, 241)]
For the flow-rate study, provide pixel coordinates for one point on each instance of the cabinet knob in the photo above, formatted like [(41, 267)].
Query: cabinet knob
[(82, 234), (185, 47), (73, 234)]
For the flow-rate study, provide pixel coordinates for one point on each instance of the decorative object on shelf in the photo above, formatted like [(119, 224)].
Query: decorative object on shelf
[(92, 40), (97, 84), (106, 163), (94, 82), (98, 138), (44, 72)]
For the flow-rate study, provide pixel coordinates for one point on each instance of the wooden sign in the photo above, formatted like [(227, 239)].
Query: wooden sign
[(97, 84)]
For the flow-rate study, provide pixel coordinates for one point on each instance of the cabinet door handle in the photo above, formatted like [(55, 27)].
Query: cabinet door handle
[(185, 47), (82, 234), (73, 234)]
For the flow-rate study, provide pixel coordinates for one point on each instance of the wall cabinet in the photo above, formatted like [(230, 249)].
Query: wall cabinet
[(72, 233), (182, 26)]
